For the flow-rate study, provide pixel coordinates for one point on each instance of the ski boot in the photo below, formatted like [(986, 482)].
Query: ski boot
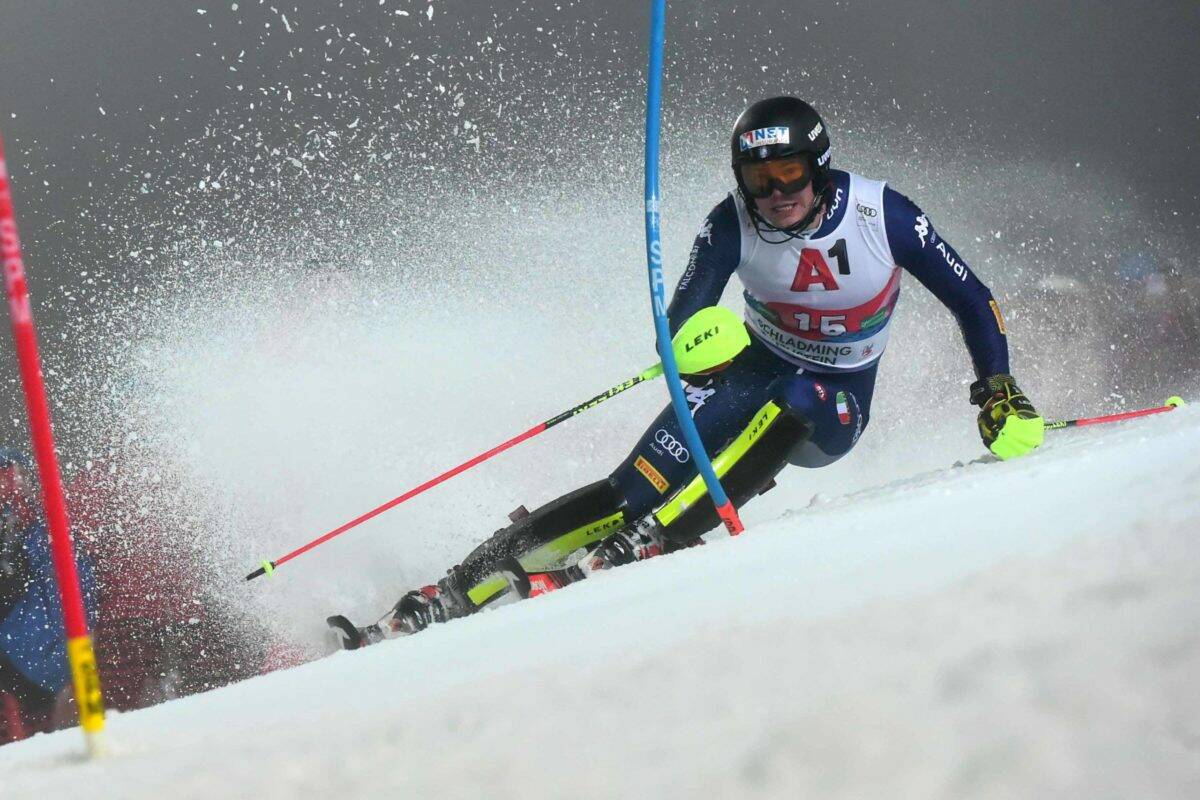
[(638, 543), (343, 635), (534, 584), (413, 613)]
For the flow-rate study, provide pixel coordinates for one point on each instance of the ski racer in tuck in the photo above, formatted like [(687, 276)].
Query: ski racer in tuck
[(820, 253)]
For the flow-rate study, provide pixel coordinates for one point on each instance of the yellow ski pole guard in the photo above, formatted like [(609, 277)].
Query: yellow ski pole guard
[(709, 340)]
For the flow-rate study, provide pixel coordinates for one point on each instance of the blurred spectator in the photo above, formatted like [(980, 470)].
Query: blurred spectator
[(159, 637), (1154, 328), (155, 636), (33, 656)]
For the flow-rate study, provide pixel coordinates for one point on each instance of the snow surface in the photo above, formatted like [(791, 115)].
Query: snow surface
[(1021, 629)]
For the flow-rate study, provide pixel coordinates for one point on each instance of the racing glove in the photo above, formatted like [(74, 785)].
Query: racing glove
[(1008, 423)]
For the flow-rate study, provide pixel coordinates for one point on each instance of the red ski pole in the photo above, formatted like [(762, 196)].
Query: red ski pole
[(707, 341), (80, 654), (268, 567), (1171, 404)]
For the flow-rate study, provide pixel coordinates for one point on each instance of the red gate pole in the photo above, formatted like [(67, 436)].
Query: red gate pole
[(79, 643)]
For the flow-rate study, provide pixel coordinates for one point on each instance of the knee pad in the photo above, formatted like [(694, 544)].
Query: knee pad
[(747, 466)]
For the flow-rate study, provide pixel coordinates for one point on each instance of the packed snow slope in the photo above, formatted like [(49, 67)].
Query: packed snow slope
[(1021, 629)]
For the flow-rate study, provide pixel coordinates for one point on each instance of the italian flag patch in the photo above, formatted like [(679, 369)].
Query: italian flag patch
[(843, 409)]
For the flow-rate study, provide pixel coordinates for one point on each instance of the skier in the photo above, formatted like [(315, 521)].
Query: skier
[(33, 651), (820, 254)]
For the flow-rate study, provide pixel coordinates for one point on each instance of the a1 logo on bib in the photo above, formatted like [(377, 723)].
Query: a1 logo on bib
[(812, 270)]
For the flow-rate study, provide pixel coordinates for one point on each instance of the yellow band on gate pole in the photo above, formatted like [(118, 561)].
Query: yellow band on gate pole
[(86, 678)]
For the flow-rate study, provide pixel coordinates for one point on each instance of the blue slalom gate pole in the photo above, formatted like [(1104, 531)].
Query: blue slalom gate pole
[(658, 301)]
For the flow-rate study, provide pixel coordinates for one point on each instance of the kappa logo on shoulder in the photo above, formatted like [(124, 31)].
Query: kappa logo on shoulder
[(706, 232), (922, 228)]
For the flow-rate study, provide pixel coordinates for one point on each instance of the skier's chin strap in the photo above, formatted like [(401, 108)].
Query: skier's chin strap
[(797, 231)]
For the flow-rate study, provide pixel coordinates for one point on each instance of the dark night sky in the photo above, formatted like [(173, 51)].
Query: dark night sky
[(1110, 83), (1111, 86)]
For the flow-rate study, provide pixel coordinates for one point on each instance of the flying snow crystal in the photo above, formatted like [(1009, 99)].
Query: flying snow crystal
[(103, 113), (429, 11), (201, 11), (287, 25)]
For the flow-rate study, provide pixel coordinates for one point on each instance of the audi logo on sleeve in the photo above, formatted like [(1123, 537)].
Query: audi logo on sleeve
[(671, 445)]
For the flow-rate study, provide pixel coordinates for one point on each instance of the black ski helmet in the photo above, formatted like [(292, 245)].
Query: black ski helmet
[(775, 128)]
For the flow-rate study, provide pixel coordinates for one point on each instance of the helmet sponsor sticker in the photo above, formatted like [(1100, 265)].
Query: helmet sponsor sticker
[(651, 474), (815, 132), (821, 392), (761, 137)]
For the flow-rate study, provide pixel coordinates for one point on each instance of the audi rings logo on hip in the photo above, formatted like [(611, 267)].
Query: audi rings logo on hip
[(672, 445)]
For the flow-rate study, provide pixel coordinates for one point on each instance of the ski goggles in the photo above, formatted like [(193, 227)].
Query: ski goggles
[(790, 174)]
